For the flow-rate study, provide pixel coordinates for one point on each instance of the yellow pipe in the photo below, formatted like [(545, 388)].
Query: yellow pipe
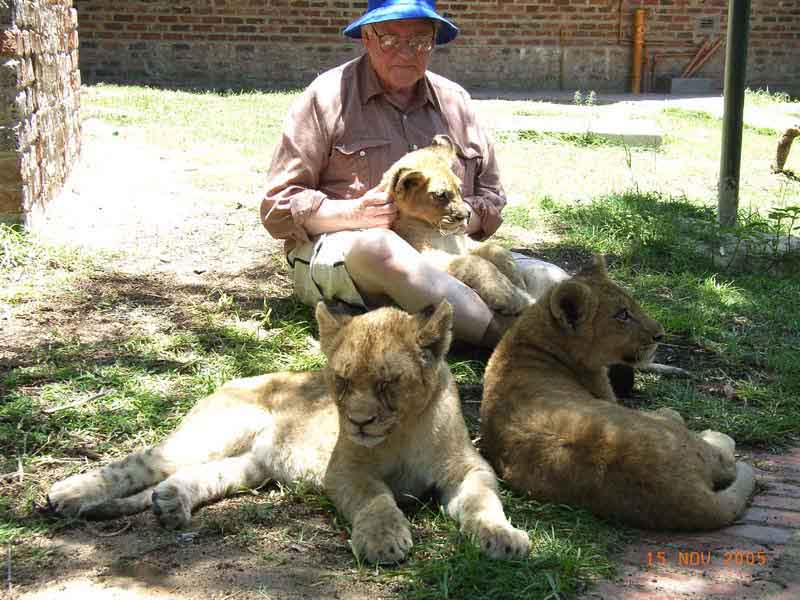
[(638, 49)]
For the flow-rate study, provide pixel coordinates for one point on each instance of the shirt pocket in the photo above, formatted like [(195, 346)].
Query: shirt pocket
[(357, 166), (466, 167)]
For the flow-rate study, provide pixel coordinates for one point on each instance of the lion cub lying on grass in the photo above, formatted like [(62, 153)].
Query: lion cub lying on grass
[(433, 217), (381, 422), (552, 428)]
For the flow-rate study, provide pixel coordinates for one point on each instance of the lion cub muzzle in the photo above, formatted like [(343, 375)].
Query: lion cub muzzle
[(653, 334), (454, 218), (368, 422)]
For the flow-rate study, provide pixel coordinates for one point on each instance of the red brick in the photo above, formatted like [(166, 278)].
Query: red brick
[(771, 516), (782, 488), (777, 502), (761, 534), (789, 461), (9, 44), (791, 592), (605, 590), (675, 583)]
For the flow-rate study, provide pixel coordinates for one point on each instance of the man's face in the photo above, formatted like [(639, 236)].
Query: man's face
[(402, 66)]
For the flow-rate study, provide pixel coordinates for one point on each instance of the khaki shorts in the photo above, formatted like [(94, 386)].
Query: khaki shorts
[(319, 273)]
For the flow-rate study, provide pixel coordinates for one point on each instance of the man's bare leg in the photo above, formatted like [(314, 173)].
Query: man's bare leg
[(539, 275), (382, 264)]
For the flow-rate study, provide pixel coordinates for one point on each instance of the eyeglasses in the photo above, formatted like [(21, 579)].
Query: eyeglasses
[(420, 44)]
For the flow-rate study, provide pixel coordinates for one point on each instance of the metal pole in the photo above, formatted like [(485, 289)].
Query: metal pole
[(732, 120), (638, 49)]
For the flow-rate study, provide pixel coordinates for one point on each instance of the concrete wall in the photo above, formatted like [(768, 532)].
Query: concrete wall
[(39, 104), (527, 44)]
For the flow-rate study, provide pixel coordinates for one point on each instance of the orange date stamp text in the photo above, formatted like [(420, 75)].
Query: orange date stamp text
[(696, 558)]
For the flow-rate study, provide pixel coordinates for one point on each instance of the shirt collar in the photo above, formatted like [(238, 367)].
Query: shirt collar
[(370, 86)]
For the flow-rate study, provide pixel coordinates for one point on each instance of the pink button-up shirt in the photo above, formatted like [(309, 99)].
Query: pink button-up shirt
[(342, 134)]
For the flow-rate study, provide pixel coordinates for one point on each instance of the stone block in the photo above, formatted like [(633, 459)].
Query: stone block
[(10, 74), (9, 138), (6, 13), (10, 174), (693, 85), (10, 200)]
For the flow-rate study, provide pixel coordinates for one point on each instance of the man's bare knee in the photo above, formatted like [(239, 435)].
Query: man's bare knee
[(370, 252), (380, 262)]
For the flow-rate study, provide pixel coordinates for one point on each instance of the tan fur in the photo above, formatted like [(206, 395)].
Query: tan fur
[(552, 428), (382, 422), (432, 217)]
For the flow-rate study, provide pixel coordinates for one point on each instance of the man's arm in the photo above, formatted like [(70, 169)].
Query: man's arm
[(297, 162), (488, 198), (293, 206)]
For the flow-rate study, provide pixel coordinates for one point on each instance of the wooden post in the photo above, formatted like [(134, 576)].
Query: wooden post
[(638, 49)]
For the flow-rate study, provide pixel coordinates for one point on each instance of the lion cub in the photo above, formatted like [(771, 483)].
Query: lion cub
[(432, 217), (382, 422), (552, 428)]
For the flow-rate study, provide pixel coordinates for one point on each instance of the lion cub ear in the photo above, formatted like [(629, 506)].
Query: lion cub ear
[(572, 304), (597, 268), (444, 145), (407, 180), (435, 331), (330, 318)]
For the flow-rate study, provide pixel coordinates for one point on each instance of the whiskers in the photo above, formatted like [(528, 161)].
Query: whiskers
[(448, 226)]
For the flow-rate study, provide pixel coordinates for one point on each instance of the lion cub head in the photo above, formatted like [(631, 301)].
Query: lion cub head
[(424, 187), (385, 367), (598, 321)]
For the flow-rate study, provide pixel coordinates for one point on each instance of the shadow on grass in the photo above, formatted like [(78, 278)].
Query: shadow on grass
[(147, 345), (137, 350)]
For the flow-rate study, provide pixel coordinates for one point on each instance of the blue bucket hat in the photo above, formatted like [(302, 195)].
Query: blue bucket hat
[(391, 10)]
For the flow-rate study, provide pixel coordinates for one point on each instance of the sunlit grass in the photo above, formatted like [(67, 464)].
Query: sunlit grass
[(251, 121), (115, 393), (734, 327)]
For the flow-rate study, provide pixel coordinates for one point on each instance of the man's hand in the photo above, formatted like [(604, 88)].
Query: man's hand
[(375, 209)]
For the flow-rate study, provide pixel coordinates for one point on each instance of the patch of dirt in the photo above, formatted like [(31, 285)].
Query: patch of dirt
[(135, 559), (165, 246)]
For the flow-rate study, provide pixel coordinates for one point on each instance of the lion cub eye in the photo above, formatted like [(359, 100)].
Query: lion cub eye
[(385, 391), (441, 197), (622, 315)]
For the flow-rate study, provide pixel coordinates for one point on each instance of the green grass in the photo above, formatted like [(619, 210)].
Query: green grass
[(738, 331), (252, 121), (764, 97), (568, 546), (735, 327)]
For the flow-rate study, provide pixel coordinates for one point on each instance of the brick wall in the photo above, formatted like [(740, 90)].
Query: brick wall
[(535, 44), (39, 120)]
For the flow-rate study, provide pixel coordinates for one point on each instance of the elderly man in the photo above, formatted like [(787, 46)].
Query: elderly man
[(342, 133)]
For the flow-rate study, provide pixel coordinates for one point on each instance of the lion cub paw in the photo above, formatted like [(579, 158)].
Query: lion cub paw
[(720, 440), (503, 541), (172, 505), (73, 496), (507, 299), (382, 538)]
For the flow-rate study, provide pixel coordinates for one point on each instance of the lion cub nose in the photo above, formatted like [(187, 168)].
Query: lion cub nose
[(461, 213), (360, 420)]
